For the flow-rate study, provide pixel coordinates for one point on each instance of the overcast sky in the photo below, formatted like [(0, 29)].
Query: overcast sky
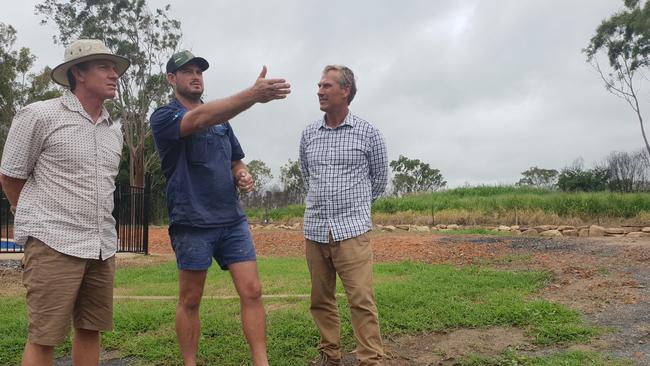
[(481, 90)]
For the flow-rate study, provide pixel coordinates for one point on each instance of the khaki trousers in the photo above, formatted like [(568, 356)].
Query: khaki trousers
[(352, 259)]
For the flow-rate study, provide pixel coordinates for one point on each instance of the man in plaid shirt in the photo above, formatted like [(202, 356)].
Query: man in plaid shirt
[(344, 165)]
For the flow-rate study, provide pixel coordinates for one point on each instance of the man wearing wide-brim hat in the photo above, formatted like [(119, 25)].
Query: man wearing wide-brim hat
[(58, 172)]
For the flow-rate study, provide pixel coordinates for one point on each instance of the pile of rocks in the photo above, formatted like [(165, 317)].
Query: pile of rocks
[(294, 227), (583, 231), (417, 228), (541, 230)]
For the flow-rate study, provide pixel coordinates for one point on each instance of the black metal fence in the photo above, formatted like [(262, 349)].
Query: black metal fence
[(132, 206), (7, 244), (131, 212)]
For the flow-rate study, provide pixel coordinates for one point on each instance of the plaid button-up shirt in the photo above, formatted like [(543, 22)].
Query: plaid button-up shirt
[(70, 164), (344, 170)]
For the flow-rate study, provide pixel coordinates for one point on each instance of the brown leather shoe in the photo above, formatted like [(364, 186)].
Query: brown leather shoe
[(324, 360)]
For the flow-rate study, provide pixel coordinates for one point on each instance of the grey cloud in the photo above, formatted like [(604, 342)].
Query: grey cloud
[(481, 90)]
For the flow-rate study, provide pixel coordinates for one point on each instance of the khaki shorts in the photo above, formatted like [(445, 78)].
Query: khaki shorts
[(62, 289)]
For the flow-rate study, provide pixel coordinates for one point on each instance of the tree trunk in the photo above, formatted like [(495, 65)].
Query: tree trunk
[(136, 167), (645, 139)]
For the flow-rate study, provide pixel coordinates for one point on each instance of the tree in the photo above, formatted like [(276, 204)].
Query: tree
[(625, 38), (292, 181), (129, 29), (17, 86), (576, 178), (412, 176), (538, 177), (627, 172), (261, 175), (41, 87), (10, 66)]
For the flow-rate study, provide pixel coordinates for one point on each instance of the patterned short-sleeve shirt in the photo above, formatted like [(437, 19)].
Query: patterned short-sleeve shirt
[(69, 164)]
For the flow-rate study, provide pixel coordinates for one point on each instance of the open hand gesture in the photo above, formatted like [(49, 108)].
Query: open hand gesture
[(266, 90)]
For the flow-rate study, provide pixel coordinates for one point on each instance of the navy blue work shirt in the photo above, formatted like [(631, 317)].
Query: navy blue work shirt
[(201, 189)]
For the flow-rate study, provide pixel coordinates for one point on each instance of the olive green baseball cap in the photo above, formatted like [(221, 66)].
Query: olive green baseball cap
[(182, 58)]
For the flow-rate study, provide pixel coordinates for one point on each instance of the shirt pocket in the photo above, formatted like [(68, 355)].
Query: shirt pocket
[(198, 150), (222, 139)]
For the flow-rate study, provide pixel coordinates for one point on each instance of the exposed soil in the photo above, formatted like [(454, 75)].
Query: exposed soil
[(606, 279)]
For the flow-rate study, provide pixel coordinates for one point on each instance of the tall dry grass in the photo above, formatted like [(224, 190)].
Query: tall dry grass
[(492, 205), (524, 218)]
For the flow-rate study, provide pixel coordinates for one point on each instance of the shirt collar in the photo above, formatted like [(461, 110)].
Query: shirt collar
[(347, 121), (70, 101), (176, 102)]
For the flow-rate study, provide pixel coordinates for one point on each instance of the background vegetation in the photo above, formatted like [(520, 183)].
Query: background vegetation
[(520, 205)]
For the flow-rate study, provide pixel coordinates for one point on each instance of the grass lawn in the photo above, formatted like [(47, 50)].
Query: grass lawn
[(412, 298)]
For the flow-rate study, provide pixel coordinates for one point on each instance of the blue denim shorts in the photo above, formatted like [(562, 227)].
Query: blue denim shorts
[(195, 247)]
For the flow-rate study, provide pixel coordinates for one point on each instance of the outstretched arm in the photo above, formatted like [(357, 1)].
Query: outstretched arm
[(221, 110)]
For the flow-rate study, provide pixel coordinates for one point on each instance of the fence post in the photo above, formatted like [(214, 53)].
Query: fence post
[(4, 203), (516, 216), (433, 210), (117, 206), (7, 222), (4, 223), (145, 212)]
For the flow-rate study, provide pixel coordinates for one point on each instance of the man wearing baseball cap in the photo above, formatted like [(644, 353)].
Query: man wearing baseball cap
[(58, 172), (202, 161)]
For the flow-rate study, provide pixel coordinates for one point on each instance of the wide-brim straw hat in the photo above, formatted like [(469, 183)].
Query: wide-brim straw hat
[(86, 50)]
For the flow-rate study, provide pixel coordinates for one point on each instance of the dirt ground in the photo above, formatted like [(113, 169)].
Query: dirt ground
[(606, 279)]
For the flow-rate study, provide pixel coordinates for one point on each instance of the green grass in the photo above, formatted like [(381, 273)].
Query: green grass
[(506, 199), (282, 213), (412, 298), (499, 201), (278, 277)]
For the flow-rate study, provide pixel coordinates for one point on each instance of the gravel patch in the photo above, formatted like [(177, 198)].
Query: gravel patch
[(469, 239), (10, 265)]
